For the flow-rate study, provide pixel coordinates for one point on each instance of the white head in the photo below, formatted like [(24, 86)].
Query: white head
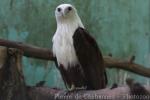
[(67, 12)]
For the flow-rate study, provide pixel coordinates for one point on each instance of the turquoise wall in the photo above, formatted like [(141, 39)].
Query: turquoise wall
[(121, 27)]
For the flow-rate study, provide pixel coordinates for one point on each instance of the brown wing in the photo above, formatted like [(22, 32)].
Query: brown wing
[(90, 58)]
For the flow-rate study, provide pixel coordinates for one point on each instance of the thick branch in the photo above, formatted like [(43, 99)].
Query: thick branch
[(127, 65), (12, 85), (29, 50), (44, 93), (46, 54)]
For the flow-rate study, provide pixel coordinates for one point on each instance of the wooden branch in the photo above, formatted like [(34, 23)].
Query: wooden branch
[(46, 54), (12, 84), (120, 93), (126, 65), (29, 50)]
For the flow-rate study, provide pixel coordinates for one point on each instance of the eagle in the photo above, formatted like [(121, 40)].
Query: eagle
[(77, 54)]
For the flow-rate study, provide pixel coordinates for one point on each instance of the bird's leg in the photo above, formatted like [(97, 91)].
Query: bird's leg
[(69, 89), (72, 88)]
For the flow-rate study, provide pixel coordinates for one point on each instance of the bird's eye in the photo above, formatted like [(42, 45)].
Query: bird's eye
[(59, 9), (69, 8)]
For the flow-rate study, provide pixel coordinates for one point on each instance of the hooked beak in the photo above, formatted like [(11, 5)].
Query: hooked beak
[(65, 12)]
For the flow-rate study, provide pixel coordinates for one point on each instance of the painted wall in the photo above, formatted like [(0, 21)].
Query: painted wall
[(121, 27)]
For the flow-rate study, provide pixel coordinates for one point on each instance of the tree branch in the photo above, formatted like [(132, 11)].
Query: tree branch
[(11, 73), (12, 84), (29, 50), (127, 65), (119, 93), (46, 54)]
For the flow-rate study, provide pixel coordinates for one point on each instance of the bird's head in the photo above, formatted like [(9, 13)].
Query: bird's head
[(65, 12)]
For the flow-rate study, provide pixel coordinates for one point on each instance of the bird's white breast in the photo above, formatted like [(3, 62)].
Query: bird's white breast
[(63, 47)]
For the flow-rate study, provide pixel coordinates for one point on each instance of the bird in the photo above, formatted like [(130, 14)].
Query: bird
[(78, 57)]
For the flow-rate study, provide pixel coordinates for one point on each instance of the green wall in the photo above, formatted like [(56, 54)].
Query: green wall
[(121, 27)]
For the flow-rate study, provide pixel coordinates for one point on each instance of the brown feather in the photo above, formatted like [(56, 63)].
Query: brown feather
[(90, 58)]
